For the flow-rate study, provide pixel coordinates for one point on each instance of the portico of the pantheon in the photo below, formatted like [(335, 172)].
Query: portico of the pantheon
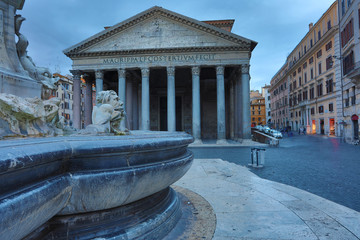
[(172, 72)]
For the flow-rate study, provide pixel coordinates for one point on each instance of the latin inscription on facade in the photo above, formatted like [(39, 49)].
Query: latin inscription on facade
[(4, 59), (161, 58)]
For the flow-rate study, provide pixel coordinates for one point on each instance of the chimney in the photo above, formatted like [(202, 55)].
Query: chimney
[(310, 26)]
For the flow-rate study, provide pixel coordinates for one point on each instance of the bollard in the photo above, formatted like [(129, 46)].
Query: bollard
[(257, 157)]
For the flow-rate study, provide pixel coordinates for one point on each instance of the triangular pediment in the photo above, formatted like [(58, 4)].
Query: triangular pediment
[(158, 28)]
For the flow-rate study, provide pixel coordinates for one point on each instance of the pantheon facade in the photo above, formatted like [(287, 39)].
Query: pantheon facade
[(172, 72)]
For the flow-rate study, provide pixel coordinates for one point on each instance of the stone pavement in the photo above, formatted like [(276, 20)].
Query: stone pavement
[(249, 207)]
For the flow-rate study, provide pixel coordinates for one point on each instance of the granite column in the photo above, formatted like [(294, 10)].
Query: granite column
[(245, 80), (145, 99), (196, 118), (76, 99), (171, 110), (99, 81), (220, 88)]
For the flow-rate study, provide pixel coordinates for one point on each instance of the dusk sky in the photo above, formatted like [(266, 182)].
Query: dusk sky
[(277, 26)]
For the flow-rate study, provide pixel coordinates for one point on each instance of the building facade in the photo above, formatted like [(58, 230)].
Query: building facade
[(279, 98), (257, 109), (65, 94), (314, 78), (265, 93), (172, 73), (349, 59)]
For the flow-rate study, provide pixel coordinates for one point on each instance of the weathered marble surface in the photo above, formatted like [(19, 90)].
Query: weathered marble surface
[(13, 78), (41, 177), (29, 116)]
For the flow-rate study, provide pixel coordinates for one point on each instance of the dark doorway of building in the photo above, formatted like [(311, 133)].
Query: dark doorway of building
[(322, 128), (163, 113), (178, 102), (356, 129)]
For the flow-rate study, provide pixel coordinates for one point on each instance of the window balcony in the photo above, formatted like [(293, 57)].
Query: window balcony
[(354, 74)]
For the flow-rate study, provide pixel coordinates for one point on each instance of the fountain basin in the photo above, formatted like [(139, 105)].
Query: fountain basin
[(68, 177)]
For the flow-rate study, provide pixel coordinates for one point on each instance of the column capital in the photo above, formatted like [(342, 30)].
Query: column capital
[(195, 70), (76, 74), (99, 74), (245, 68), (170, 71), (145, 72), (220, 70), (122, 72)]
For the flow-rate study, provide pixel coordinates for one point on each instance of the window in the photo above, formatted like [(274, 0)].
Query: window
[(253, 112), (259, 119), (299, 113), (269, 114), (319, 90), (299, 97), (347, 33), (311, 60), (253, 119), (321, 109), (304, 65), (328, 46), (311, 42), (343, 7), (329, 63), (294, 74), (347, 98), (331, 107), (299, 55), (319, 35), (348, 3), (348, 63), (294, 84), (329, 86), (305, 95), (320, 68), (296, 113), (305, 77), (319, 53), (304, 49), (299, 69), (285, 85), (312, 111), (299, 81), (353, 98), (291, 115), (329, 25), (312, 74)]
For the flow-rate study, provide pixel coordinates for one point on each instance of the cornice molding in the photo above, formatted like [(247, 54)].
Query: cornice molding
[(157, 50)]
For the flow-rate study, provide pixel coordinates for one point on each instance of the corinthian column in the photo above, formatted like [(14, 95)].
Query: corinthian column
[(171, 111), (145, 99), (245, 81), (196, 120), (220, 89), (122, 85), (99, 81), (88, 100), (76, 99)]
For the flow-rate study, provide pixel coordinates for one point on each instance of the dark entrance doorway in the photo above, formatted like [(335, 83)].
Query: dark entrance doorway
[(355, 120), (163, 113), (322, 127)]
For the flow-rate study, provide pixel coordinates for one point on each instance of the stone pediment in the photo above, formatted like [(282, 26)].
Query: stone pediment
[(158, 29)]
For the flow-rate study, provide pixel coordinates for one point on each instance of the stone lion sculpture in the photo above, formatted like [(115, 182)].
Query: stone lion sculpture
[(107, 115)]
